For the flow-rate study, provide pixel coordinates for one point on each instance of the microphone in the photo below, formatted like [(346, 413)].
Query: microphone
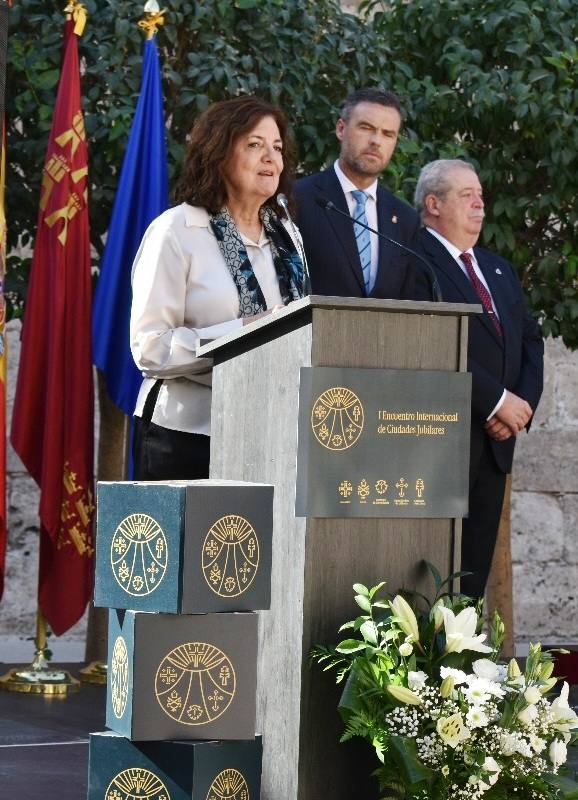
[(284, 203), (324, 202)]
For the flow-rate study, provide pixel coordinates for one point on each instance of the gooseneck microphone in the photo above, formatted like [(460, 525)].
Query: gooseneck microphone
[(284, 203), (324, 202)]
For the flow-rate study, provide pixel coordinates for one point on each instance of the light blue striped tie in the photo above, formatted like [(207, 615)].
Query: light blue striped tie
[(362, 236)]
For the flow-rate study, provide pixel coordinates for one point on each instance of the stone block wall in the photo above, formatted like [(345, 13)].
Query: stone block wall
[(544, 524), (545, 510)]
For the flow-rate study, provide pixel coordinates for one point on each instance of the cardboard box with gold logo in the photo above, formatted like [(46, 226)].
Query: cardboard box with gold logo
[(173, 770), (190, 676), (184, 547)]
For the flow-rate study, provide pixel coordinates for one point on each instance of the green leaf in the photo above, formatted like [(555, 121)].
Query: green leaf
[(369, 632), (435, 574), (350, 646), (363, 602), (404, 751), (566, 786), (359, 588)]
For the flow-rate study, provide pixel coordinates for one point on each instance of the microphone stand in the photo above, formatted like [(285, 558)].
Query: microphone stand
[(283, 202), (435, 287)]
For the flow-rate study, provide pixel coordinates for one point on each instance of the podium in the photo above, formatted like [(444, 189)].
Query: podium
[(256, 380)]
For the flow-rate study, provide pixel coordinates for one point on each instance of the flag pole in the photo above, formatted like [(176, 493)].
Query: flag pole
[(40, 677)]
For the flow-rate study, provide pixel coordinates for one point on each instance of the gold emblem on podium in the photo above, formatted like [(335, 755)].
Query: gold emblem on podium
[(136, 783), (337, 418), (195, 683), (119, 677), (229, 785), (138, 554), (230, 556)]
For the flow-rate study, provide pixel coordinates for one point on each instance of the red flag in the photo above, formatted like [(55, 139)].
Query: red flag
[(2, 363), (3, 48), (52, 424)]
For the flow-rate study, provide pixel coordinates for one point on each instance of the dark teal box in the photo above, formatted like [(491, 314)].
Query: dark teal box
[(184, 547), (190, 676), (122, 770)]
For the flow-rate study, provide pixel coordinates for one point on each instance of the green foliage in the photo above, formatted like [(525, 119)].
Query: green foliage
[(304, 55), (495, 82)]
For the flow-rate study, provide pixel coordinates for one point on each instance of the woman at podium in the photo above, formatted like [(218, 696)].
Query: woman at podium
[(219, 259)]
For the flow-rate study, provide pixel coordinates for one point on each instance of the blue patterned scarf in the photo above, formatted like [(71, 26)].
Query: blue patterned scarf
[(286, 260)]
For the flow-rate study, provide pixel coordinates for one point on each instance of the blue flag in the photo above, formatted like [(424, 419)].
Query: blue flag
[(141, 196)]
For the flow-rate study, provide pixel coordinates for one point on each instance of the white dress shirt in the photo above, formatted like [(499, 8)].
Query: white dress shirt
[(455, 252), (183, 292), (370, 212)]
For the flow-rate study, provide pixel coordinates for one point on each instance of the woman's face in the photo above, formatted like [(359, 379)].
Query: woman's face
[(256, 163)]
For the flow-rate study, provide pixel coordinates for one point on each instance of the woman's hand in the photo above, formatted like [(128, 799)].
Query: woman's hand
[(248, 320)]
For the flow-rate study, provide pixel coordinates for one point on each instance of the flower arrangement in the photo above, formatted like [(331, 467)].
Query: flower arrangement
[(448, 721)]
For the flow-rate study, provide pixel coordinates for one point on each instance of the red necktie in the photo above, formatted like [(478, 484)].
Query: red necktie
[(481, 290)]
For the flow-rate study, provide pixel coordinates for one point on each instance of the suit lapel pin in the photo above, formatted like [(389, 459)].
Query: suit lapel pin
[(498, 272), (394, 219)]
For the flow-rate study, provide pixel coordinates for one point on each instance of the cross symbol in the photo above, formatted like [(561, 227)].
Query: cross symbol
[(402, 485), (215, 698)]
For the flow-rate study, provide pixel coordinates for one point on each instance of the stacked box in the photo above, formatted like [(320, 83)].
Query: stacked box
[(182, 566), (173, 770), (184, 547), (182, 677)]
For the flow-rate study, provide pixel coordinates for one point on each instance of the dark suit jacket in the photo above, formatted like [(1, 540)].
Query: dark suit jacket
[(513, 361), (330, 245)]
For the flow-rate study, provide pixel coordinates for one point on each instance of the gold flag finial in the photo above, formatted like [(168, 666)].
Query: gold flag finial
[(77, 13), (153, 19)]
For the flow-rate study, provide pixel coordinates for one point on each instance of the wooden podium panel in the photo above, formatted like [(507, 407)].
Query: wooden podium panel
[(316, 561)]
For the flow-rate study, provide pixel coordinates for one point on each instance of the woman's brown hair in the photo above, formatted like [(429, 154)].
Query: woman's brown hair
[(211, 144)]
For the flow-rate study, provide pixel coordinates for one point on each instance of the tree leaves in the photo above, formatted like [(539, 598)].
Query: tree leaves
[(491, 82), (500, 82)]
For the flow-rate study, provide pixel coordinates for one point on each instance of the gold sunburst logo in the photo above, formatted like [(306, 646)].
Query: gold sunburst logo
[(195, 683), (136, 784), (138, 555), (229, 785), (230, 556), (119, 671), (337, 418)]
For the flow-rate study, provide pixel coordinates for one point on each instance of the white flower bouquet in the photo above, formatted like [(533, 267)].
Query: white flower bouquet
[(448, 721)]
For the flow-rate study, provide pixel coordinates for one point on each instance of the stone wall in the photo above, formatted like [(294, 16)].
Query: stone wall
[(545, 510), (544, 524), (18, 606)]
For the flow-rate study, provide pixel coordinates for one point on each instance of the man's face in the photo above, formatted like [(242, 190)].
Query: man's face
[(368, 139), (459, 214)]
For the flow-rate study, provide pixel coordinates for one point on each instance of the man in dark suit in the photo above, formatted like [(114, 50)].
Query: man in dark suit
[(505, 350), (344, 259)]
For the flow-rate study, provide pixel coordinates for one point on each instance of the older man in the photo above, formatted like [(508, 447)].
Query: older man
[(345, 259), (505, 351)]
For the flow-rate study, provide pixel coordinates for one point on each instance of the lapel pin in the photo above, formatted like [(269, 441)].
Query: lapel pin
[(394, 219), (498, 272)]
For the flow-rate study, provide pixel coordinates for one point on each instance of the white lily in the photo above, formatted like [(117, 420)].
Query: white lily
[(558, 753), (563, 717), (492, 767), (405, 617), (452, 730), (461, 632)]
